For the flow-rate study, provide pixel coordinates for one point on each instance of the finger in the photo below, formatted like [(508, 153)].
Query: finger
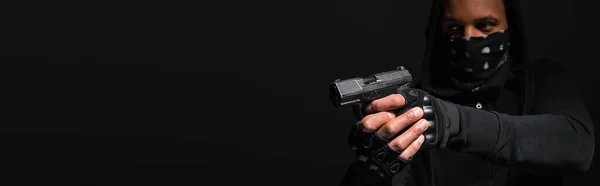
[(412, 149), (372, 122), (391, 102), (401, 142), (393, 127)]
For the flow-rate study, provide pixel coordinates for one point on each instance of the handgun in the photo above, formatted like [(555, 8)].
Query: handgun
[(362, 90)]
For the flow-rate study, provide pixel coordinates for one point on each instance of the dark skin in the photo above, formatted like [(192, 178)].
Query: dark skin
[(473, 18)]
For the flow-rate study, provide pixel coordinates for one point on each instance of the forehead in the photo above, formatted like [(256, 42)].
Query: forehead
[(473, 8)]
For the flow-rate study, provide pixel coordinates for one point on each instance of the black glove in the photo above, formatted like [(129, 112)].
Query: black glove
[(442, 116), (376, 162)]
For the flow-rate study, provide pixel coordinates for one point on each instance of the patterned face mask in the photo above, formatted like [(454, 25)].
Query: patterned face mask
[(477, 58)]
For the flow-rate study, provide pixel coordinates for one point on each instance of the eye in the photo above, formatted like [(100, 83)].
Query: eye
[(485, 26), (453, 28)]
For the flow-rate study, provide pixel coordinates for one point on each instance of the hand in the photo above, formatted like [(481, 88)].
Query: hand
[(403, 133), (385, 144)]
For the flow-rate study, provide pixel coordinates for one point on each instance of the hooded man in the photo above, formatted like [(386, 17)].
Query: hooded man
[(483, 114)]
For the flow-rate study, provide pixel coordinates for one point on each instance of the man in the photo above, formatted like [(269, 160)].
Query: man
[(482, 115)]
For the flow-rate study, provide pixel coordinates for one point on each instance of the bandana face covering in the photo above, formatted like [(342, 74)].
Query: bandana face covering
[(475, 59)]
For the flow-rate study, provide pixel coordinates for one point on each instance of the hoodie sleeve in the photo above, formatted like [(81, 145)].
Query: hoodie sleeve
[(557, 136)]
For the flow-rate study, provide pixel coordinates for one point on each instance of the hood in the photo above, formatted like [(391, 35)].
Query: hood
[(433, 45)]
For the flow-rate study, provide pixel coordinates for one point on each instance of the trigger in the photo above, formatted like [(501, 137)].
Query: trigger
[(358, 111)]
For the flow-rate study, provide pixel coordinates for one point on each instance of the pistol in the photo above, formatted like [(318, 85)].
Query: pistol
[(359, 91)]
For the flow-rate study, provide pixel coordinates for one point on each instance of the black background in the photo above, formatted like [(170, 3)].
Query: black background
[(190, 94)]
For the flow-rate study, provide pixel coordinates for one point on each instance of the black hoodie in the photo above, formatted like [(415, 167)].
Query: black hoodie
[(532, 129)]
